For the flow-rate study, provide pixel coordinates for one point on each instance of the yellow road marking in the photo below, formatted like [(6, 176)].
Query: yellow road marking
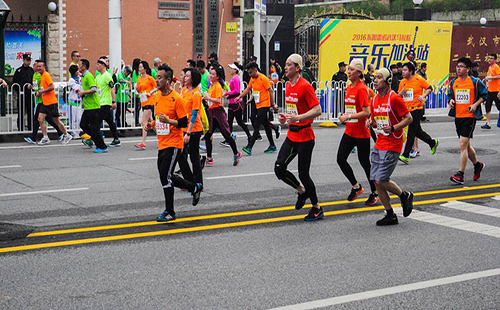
[(240, 213), (221, 226)]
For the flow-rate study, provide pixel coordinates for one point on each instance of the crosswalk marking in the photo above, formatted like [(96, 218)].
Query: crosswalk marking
[(472, 208), (496, 198)]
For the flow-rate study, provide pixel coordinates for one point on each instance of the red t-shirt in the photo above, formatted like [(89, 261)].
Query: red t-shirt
[(300, 98), (356, 98), (385, 113)]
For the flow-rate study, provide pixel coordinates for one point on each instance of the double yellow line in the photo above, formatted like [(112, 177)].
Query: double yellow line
[(229, 225)]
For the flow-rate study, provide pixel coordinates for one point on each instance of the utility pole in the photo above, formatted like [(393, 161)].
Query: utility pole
[(115, 34)]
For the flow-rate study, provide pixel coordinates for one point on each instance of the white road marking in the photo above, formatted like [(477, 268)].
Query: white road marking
[(243, 175), (156, 157), (45, 192), (496, 198), (473, 208), (57, 144), (392, 290), (13, 166)]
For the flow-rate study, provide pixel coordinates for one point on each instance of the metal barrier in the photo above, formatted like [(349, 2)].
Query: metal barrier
[(21, 104)]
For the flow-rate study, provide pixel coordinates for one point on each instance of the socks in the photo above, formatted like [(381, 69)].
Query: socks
[(390, 212)]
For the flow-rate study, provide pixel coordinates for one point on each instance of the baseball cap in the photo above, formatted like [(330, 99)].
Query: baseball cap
[(342, 64), (26, 56)]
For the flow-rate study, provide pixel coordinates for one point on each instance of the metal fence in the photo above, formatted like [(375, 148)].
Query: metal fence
[(21, 103)]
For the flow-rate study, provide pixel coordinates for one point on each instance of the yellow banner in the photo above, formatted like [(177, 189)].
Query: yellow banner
[(383, 43)]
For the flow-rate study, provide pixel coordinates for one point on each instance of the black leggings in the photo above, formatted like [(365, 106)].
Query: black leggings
[(90, 125), (121, 114), (225, 133), (287, 153), (36, 124), (106, 114), (416, 131), (261, 119), (347, 143), (238, 115), (192, 148), (167, 158)]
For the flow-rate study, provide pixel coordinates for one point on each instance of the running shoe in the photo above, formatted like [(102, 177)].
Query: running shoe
[(209, 162), (115, 143), (248, 151), (197, 193), (406, 203), (315, 214), (203, 148), (259, 138), (405, 160), (224, 143), (477, 171), (278, 132), (75, 136), (88, 143), (271, 149), (165, 217), (486, 126), (235, 136), (45, 140), (67, 138), (433, 149), (141, 146), (236, 159), (372, 200), (353, 150), (388, 220), (60, 138), (85, 137), (29, 140), (203, 160), (98, 151), (458, 178), (301, 200), (414, 153), (355, 192)]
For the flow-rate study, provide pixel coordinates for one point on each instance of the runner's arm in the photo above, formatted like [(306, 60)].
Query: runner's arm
[(311, 114), (407, 119)]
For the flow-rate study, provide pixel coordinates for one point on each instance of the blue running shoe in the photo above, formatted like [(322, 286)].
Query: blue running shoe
[(203, 148), (248, 151), (235, 136), (101, 150), (29, 140), (165, 217)]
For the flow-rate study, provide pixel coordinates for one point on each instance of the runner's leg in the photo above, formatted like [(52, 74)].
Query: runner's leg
[(346, 145)]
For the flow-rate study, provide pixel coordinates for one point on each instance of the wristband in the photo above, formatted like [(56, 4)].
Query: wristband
[(392, 128), (113, 101), (349, 115), (188, 134)]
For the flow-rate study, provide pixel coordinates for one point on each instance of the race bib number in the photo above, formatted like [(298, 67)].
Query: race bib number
[(143, 97), (99, 92), (462, 96), (350, 110), (256, 96), (382, 121), (274, 76), (291, 108), (408, 96), (35, 85), (162, 129)]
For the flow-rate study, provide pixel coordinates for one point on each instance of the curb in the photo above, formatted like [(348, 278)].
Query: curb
[(10, 231)]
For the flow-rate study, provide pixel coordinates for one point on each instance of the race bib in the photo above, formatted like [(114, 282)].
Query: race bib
[(162, 129), (408, 96), (256, 96), (210, 103), (274, 76), (143, 97), (99, 92), (35, 85), (350, 110), (291, 108), (382, 121), (462, 96)]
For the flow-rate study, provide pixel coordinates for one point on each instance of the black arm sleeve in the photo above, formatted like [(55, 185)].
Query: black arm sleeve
[(182, 123)]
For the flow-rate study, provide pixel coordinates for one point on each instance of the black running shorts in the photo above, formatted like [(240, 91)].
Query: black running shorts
[(465, 127)]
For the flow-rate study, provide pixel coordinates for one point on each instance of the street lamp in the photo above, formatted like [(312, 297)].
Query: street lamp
[(52, 7), (418, 2), (483, 21), (4, 13)]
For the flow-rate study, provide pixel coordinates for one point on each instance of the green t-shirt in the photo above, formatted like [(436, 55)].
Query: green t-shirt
[(90, 102), (122, 90), (104, 84), (37, 80), (154, 72), (204, 82)]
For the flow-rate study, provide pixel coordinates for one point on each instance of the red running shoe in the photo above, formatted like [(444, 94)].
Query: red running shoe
[(477, 171)]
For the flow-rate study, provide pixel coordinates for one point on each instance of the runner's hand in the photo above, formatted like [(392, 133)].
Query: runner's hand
[(29, 86), (402, 92), (343, 118), (113, 106), (292, 118), (421, 98), (163, 118), (472, 108), (39, 93), (186, 139), (369, 123), (451, 104), (282, 118), (387, 129), (275, 108)]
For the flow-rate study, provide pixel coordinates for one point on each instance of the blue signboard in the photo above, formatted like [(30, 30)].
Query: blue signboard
[(21, 42)]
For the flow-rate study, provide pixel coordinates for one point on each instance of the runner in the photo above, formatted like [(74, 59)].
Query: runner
[(217, 117), (389, 116), (493, 81), (170, 118), (357, 109), (302, 107), (123, 91), (146, 86), (74, 101), (107, 100), (50, 105), (90, 122), (263, 95), (465, 96), (411, 88)]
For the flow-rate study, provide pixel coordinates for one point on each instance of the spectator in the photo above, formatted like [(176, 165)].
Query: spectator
[(423, 70), (340, 75), (308, 74), (191, 64), (369, 77), (156, 64), (395, 79), (23, 77), (475, 70)]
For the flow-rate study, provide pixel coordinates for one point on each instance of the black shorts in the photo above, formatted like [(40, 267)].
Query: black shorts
[(52, 110), (148, 107), (492, 96), (465, 127)]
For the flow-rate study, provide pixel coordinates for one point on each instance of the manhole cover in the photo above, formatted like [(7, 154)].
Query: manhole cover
[(479, 151)]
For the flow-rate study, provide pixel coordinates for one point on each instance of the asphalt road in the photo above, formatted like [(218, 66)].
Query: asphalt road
[(243, 246)]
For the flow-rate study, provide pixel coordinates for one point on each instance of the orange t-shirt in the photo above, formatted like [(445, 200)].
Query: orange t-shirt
[(172, 106), (215, 91), (300, 98), (464, 97), (356, 98), (260, 91), (50, 97), (144, 86), (414, 88), (494, 85), (192, 99)]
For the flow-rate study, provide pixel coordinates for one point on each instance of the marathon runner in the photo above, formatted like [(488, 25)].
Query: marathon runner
[(107, 99), (465, 96), (357, 109), (146, 87), (302, 107), (170, 118), (389, 116), (493, 80)]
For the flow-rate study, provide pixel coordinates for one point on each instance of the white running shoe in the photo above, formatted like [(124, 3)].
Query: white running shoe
[(45, 140), (67, 138)]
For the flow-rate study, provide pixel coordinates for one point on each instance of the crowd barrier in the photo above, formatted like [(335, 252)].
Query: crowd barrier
[(21, 103)]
